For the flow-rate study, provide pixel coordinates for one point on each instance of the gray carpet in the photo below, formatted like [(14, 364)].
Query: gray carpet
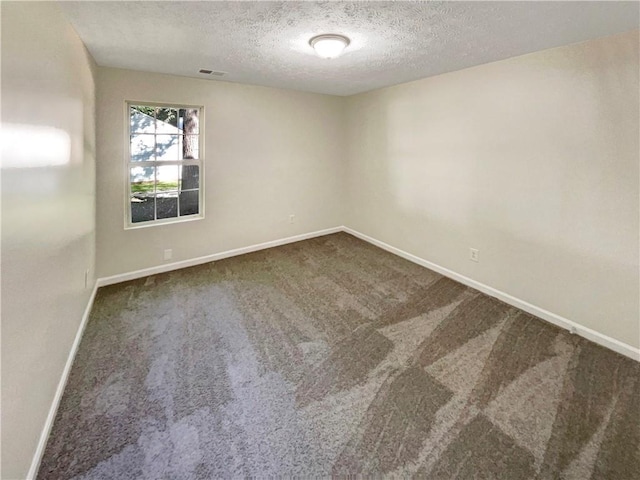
[(331, 357)]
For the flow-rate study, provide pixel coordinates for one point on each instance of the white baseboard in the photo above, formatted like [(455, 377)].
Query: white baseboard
[(53, 410), (588, 333), (145, 272)]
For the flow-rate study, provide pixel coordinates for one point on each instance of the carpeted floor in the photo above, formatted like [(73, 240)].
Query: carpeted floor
[(332, 357)]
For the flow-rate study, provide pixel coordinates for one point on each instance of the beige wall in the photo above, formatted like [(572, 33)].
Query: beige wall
[(269, 153), (532, 160), (48, 214)]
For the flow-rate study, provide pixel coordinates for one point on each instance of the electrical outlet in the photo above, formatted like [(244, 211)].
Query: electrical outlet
[(474, 255), (168, 254), (292, 218)]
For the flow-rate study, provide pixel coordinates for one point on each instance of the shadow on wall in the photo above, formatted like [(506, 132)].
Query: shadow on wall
[(533, 160), (524, 150)]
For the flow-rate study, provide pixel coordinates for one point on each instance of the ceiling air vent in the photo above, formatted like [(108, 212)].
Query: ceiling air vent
[(212, 72)]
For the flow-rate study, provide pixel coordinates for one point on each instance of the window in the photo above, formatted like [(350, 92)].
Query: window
[(164, 164)]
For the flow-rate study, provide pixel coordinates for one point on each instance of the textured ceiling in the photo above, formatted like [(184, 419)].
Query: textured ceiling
[(266, 43)]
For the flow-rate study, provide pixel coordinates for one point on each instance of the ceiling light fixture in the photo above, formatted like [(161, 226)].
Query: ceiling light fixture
[(329, 46)]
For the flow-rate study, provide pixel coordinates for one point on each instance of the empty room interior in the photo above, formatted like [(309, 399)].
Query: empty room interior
[(320, 239)]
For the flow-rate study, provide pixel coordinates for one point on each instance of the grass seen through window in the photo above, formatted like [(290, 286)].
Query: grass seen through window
[(146, 187)]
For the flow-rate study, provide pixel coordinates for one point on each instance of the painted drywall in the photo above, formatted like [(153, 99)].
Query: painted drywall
[(269, 154), (532, 160), (48, 214)]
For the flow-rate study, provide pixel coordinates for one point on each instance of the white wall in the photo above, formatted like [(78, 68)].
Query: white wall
[(269, 153), (532, 160), (48, 214)]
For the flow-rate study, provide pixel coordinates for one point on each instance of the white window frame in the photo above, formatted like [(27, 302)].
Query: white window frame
[(128, 163)]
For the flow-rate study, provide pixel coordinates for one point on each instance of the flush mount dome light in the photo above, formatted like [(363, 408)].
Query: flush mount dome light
[(329, 46)]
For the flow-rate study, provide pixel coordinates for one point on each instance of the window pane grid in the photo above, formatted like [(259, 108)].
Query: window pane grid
[(164, 144)]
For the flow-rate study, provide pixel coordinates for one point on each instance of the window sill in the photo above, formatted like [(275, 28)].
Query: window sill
[(163, 222)]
